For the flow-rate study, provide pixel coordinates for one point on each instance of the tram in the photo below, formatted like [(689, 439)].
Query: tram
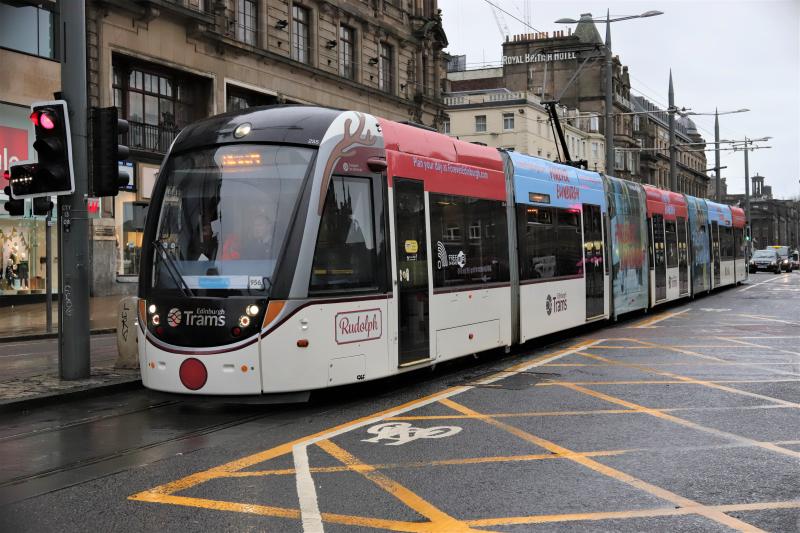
[(293, 248)]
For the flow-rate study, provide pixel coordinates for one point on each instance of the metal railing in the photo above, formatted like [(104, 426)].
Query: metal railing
[(195, 5), (149, 137)]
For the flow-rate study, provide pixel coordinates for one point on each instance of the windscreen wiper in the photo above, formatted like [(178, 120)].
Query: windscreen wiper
[(172, 269)]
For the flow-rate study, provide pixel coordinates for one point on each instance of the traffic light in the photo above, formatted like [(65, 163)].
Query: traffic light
[(107, 152), (53, 175), (42, 205), (15, 208)]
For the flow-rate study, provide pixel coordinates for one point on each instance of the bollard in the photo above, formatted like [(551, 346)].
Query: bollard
[(127, 353)]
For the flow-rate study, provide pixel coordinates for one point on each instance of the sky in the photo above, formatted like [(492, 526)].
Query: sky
[(728, 55)]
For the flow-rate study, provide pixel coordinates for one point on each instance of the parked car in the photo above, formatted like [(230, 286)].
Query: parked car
[(794, 258), (783, 252), (765, 260)]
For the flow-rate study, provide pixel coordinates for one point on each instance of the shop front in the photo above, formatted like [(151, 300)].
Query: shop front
[(23, 259)]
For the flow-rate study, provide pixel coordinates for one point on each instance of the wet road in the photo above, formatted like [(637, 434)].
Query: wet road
[(685, 419)]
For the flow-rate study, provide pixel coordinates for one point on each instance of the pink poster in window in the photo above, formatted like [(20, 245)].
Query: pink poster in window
[(13, 146)]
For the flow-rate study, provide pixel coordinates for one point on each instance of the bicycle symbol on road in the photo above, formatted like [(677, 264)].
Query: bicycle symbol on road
[(398, 433)]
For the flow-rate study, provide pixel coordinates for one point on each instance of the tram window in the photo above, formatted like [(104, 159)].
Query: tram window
[(469, 241), (671, 238), (738, 242), (726, 242), (550, 243), (345, 256)]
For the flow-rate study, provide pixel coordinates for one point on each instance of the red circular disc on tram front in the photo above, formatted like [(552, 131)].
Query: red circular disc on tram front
[(193, 374)]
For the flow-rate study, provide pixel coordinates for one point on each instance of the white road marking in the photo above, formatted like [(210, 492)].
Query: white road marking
[(398, 433), (307, 492), (782, 276)]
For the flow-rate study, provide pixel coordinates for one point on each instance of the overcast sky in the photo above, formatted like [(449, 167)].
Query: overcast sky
[(728, 54)]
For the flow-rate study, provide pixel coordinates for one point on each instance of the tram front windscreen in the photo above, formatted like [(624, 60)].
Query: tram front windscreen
[(224, 213)]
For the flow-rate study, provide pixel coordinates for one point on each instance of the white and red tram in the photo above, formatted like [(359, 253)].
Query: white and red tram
[(294, 248)]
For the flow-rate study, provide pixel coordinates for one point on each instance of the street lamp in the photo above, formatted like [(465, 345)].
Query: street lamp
[(747, 142), (717, 168), (609, 126)]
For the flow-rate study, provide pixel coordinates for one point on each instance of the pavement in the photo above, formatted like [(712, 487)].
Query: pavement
[(29, 321), (684, 419), (29, 373)]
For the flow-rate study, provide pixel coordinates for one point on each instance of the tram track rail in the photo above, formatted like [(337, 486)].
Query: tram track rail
[(46, 480)]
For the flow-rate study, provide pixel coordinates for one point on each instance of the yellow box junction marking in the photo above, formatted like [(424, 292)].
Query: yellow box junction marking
[(650, 322), (166, 494), (608, 471)]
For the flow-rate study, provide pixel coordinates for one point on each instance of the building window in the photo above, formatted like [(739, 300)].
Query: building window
[(300, 34), (347, 52), (246, 21), (508, 121), (27, 29), (480, 123), (594, 123), (238, 99), (636, 123), (446, 126), (386, 68), (156, 104), (619, 159)]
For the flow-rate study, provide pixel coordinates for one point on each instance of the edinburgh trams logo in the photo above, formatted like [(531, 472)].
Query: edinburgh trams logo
[(174, 317), (198, 317), (445, 260), (556, 304)]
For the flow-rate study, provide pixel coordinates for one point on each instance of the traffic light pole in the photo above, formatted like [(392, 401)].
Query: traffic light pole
[(48, 274), (73, 223)]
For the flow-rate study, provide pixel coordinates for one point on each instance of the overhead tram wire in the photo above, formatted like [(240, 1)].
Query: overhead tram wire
[(512, 16)]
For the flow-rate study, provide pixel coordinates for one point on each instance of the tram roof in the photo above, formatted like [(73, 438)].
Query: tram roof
[(738, 216), (541, 181), (666, 203), (284, 124), (424, 143), (719, 213)]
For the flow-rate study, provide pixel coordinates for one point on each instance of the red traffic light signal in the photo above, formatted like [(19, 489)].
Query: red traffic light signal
[(53, 174), (44, 119)]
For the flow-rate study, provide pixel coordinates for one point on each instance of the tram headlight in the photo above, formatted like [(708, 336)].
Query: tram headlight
[(156, 320), (244, 321), (152, 308), (252, 310)]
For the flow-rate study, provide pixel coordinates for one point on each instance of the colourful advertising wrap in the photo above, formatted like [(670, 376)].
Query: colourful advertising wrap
[(628, 226), (701, 253)]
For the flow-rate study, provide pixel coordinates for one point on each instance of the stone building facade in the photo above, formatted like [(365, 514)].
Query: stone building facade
[(651, 131), (773, 221), (518, 121), (166, 63), (570, 66)]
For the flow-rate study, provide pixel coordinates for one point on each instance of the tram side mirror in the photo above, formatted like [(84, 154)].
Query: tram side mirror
[(376, 164)]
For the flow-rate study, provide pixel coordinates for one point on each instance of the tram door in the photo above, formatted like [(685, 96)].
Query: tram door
[(715, 251), (593, 260), (683, 256), (659, 257), (412, 271)]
